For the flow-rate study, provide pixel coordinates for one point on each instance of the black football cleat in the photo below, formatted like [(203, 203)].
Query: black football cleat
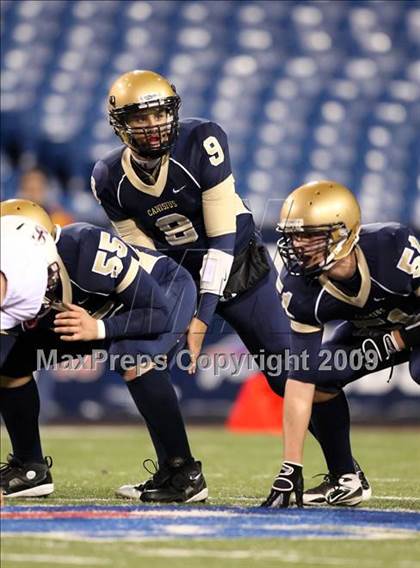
[(347, 492), (316, 496), (335, 490), (158, 476), (186, 484), (18, 479), (367, 489)]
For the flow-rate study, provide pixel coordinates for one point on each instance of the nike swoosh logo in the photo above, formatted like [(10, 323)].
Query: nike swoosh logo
[(378, 299), (195, 477), (338, 493), (179, 189)]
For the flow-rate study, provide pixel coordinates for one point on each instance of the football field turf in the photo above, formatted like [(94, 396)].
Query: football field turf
[(81, 524)]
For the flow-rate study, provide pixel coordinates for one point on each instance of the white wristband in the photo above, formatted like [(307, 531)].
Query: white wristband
[(215, 271), (101, 329)]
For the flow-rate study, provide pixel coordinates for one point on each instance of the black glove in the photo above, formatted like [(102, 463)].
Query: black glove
[(410, 334), (382, 343), (288, 481)]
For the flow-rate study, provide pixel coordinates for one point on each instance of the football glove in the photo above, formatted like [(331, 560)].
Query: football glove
[(410, 334), (288, 481), (382, 343)]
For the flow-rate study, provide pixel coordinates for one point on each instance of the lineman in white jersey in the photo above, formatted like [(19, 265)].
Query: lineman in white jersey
[(27, 270)]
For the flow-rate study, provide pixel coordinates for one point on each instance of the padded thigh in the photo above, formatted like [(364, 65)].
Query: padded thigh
[(258, 318)]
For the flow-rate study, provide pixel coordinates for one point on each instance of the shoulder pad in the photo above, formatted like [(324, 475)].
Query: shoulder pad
[(113, 156)]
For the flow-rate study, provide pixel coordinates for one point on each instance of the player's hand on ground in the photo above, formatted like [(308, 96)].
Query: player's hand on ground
[(288, 481), (195, 338), (76, 324)]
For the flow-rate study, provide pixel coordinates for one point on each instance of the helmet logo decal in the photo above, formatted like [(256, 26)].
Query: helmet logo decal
[(40, 234), (295, 224), (150, 97)]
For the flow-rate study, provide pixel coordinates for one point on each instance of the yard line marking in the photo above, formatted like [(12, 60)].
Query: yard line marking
[(393, 479), (286, 557), (54, 559), (238, 554), (242, 555), (114, 501), (395, 498)]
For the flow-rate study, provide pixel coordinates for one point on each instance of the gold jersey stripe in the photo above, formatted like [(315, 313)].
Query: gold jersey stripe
[(360, 300), (130, 233), (67, 293), (154, 190), (240, 206), (303, 327), (219, 208), (148, 261), (129, 276), (144, 261)]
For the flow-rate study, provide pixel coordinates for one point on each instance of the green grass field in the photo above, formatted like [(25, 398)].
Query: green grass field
[(90, 462)]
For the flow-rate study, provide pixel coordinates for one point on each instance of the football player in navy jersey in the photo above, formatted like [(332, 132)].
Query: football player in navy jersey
[(170, 187), (335, 269), (124, 299)]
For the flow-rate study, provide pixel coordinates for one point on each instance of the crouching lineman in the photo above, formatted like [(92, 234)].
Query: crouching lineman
[(171, 185), (36, 271), (135, 301), (367, 276), (24, 285)]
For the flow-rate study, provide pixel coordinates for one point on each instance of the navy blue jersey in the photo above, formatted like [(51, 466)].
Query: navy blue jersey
[(135, 291), (188, 208), (170, 212), (145, 299), (384, 294)]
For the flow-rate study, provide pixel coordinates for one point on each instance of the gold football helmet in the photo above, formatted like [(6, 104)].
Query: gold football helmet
[(29, 209), (44, 230), (141, 92), (319, 224)]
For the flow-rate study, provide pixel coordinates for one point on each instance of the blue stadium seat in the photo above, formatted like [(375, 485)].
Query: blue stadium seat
[(304, 89)]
